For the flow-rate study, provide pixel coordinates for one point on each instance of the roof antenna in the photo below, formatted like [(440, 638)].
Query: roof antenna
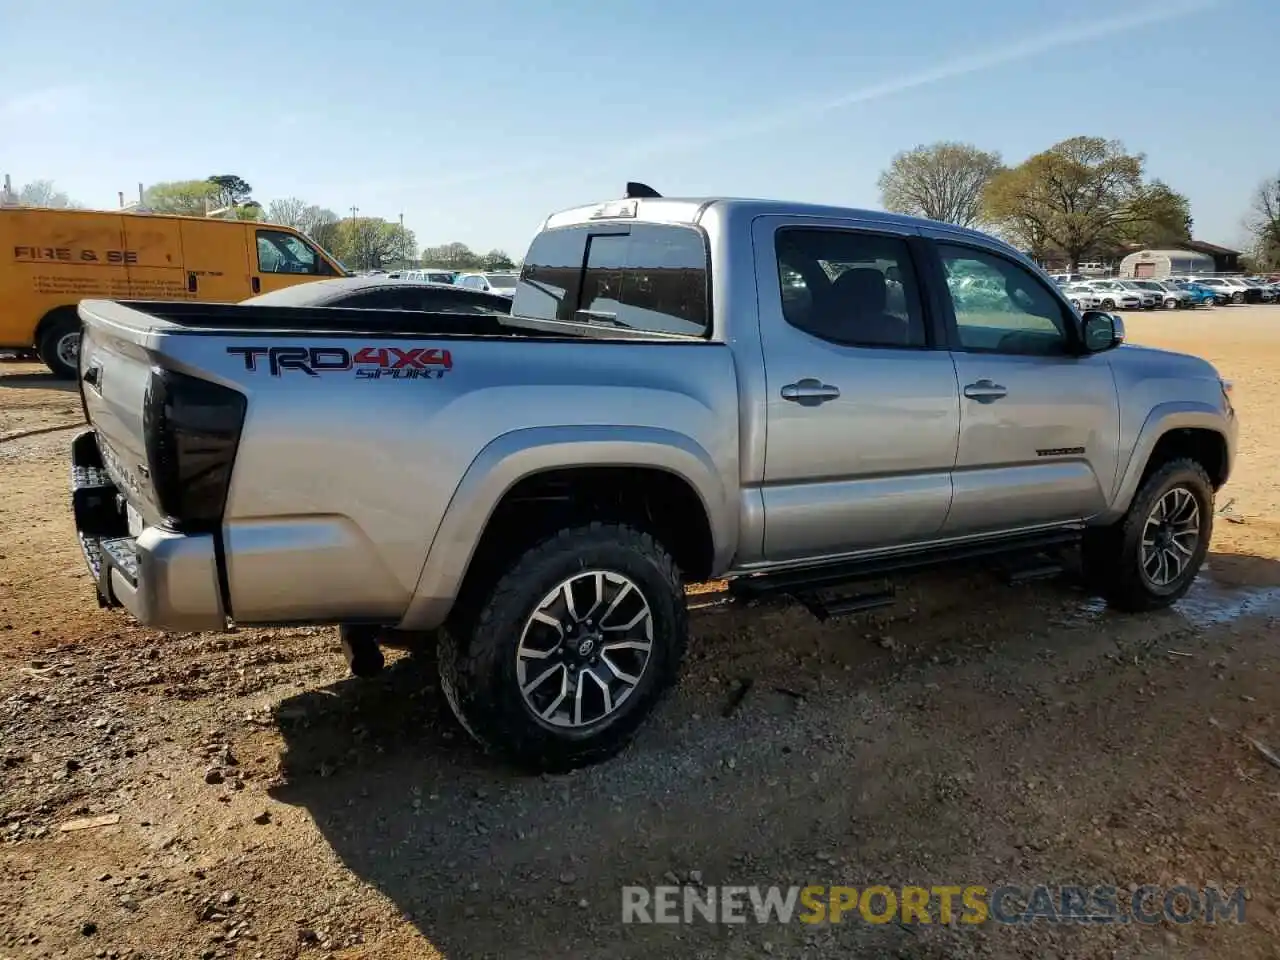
[(635, 189)]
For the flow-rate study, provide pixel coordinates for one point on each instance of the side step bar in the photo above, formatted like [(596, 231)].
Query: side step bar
[(807, 584), (101, 526)]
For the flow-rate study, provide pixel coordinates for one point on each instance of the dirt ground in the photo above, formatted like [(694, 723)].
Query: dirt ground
[(251, 800)]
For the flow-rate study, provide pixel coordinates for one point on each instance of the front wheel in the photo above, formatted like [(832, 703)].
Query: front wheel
[(1108, 304), (571, 650), (1237, 298), (1149, 558), (1171, 304)]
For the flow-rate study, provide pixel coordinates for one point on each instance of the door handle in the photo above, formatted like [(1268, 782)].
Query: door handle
[(984, 391), (256, 284), (192, 283), (809, 392)]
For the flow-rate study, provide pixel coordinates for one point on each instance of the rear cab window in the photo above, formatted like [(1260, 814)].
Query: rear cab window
[(640, 276)]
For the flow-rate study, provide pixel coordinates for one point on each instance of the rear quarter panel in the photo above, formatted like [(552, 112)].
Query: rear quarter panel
[(342, 482)]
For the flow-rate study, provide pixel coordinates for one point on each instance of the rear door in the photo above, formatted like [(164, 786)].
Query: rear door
[(153, 252), (861, 403), (216, 259), (1039, 422)]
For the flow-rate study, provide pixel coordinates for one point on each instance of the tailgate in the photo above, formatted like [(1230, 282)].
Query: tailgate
[(115, 374)]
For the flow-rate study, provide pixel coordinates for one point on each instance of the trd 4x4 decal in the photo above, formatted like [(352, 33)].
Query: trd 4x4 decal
[(369, 363)]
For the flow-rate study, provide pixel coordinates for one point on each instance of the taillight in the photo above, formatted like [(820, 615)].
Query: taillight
[(191, 428)]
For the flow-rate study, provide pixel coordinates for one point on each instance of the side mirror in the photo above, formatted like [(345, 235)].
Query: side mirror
[(1102, 331)]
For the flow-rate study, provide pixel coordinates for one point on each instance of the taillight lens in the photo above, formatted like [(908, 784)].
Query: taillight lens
[(192, 429)]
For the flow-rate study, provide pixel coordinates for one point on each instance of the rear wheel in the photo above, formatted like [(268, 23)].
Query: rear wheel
[(1237, 298), (1149, 558), (59, 346), (1108, 304), (571, 650), (1171, 303)]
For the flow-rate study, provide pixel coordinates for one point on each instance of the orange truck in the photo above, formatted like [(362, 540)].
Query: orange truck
[(50, 260)]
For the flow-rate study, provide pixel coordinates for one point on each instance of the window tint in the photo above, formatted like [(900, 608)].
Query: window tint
[(284, 253), (1000, 306), (650, 278), (552, 275), (848, 287)]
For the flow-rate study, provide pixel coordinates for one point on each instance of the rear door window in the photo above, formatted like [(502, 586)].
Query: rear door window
[(647, 277)]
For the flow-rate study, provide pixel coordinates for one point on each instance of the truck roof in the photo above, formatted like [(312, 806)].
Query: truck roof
[(691, 210), (140, 214)]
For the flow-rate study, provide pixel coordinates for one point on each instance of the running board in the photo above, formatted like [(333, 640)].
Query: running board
[(809, 580), (824, 608)]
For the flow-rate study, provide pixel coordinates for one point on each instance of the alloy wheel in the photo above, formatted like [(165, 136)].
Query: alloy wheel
[(584, 649), (1170, 537)]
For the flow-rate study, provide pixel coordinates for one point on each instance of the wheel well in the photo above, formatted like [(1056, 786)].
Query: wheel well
[(53, 316), (1206, 447), (650, 499)]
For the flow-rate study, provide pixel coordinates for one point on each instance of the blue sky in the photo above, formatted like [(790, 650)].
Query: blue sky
[(475, 125)]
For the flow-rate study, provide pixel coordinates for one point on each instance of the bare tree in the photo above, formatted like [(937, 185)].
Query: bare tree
[(287, 212), (42, 193), (1263, 223), (316, 222), (942, 181)]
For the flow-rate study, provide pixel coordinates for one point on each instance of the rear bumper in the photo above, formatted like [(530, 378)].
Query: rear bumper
[(164, 578)]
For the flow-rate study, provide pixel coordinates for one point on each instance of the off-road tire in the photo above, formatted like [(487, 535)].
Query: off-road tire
[(65, 324), (477, 651), (1112, 555)]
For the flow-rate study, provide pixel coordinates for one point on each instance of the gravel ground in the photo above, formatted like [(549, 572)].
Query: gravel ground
[(180, 795)]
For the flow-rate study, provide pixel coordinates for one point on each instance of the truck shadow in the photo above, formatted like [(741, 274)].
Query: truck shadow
[(487, 861), (38, 379)]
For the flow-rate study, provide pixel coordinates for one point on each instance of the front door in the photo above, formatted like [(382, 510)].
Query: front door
[(281, 259), (861, 409), (1039, 421)]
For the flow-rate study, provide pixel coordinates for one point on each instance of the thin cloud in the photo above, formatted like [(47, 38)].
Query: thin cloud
[(1053, 38), (1012, 52)]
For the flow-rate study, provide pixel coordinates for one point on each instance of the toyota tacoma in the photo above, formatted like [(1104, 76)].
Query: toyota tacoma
[(789, 398)]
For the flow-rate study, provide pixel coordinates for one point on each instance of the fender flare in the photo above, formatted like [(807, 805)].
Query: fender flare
[(519, 454), (1164, 417)]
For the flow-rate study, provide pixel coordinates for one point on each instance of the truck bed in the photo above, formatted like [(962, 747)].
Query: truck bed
[(164, 316)]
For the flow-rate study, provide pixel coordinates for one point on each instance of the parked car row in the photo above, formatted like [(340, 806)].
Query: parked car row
[(1170, 293), (502, 284)]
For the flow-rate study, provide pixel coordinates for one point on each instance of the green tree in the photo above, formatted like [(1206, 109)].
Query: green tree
[(1166, 218), (193, 198), (496, 260), (370, 243), (452, 256), (942, 181), (1081, 196), (230, 190)]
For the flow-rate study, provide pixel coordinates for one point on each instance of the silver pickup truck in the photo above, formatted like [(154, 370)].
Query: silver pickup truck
[(790, 398)]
